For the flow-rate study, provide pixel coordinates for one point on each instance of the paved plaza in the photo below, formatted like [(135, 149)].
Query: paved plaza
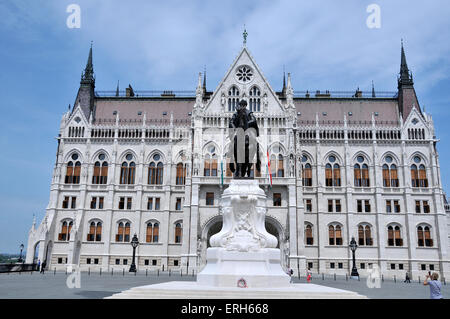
[(93, 286)]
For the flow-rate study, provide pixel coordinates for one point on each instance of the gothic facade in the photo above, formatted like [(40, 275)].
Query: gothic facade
[(335, 166)]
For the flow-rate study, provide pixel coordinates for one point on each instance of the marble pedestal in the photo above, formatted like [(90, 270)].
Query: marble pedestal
[(255, 269), (243, 261)]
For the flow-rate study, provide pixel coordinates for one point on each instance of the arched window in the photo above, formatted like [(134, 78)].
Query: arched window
[(156, 171), (181, 174), (361, 172), (424, 237), (280, 166), (423, 181), (66, 228), (335, 235), (332, 172), (233, 98), (128, 170), (390, 175), (254, 100), (418, 176), (307, 174), (178, 232), (100, 170), (152, 232), (309, 235), (394, 236), (95, 231), (123, 232), (364, 235), (210, 163), (73, 170)]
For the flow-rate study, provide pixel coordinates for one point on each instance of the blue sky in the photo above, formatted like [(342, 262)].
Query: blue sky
[(160, 45)]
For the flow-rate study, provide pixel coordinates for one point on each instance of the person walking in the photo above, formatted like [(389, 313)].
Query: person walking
[(290, 272), (308, 275), (39, 265), (435, 285), (407, 279), (43, 267)]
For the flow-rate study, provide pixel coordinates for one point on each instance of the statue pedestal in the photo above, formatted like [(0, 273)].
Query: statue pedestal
[(243, 253), (243, 261), (252, 269)]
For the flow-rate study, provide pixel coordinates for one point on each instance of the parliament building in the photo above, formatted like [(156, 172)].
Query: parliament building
[(336, 166)]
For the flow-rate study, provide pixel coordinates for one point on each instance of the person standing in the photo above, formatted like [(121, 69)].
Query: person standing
[(435, 285), (39, 265), (43, 267)]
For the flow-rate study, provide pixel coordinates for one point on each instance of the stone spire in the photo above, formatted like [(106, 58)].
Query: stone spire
[(405, 77), (117, 89), (289, 92), (245, 34), (199, 92), (88, 74), (204, 80), (86, 92), (373, 90)]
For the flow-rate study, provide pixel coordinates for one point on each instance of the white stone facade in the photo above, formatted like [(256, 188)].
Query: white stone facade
[(287, 129)]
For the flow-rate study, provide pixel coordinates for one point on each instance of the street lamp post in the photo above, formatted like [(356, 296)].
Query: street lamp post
[(21, 249), (353, 247), (134, 244)]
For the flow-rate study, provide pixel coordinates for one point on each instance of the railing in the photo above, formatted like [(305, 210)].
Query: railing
[(146, 93), (345, 94), (17, 267)]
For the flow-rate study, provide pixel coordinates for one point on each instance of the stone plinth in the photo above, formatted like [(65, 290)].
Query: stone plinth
[(256, 269)]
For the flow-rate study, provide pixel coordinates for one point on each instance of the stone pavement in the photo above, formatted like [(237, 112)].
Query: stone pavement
[(94, 286)]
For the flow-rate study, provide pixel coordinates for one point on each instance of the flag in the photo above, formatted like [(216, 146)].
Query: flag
[(268, 168)]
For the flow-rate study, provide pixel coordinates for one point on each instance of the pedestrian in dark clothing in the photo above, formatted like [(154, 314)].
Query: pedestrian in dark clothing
[(407, 279), (43, 266)]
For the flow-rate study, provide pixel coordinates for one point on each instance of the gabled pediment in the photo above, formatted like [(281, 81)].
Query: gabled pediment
[(244, 80)]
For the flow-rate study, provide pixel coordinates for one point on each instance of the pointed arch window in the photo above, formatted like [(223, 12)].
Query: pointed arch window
[(418, 173), (128, 170), (66, 228), (361, 172), (95, 231), (100, 170), (254, 100), (394, 236), (332, 172), (123, 232), (152, 235), (309, 235), (390, 174), (155, 171), (233, 98), (365, 235), (280, 166), (181, 174), (178, 232), (335, 235), (73, 170), (210, 163), (424, 237), (307, 174)]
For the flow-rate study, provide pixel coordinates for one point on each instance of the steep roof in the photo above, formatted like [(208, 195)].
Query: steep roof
[(154, 109), (335, 109)]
